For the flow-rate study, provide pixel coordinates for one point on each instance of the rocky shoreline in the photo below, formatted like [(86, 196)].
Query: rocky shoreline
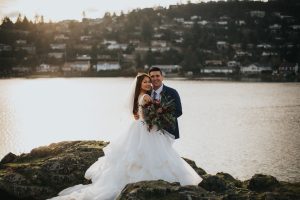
[(46, 170)]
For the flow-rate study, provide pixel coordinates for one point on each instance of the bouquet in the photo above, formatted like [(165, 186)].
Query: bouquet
[(159, 113)]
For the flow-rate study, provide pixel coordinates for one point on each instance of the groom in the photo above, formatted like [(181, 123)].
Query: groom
[(159, 90)]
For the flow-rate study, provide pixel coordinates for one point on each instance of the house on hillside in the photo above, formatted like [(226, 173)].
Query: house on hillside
[(81, 66), (213, 62), (5, 47), (47, 68), (83, 57), (57, 55), (167, 69), (106, 66), (255, 68), (58, 46), (217, 70), (257, 13), (287, 67), (222, 45)]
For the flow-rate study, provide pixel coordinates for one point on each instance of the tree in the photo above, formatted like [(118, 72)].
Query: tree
[(149, 58), (138, 61), (7, 23), (147, 31)]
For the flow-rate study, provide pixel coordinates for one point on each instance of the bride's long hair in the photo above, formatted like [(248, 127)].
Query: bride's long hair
[(139, 79)]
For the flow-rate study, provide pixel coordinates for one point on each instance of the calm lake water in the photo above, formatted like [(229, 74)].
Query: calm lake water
[(235, 127)]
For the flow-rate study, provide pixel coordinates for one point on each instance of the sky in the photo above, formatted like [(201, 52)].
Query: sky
[(57, 10)]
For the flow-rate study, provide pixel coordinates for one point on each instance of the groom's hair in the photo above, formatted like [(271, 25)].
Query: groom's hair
[(152, 69)]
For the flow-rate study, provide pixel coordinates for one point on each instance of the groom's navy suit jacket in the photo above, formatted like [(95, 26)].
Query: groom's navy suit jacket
[(170, 94)]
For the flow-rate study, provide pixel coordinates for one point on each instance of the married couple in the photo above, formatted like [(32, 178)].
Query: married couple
[(138, 154)]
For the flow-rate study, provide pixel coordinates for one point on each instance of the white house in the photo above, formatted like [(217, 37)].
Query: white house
[(216, 69), (268, 53), (160, 49), (104, 66), (31, 49), (188, 24), (203, 22), (181, 20), (85, 37), (257, 13), (179, 40), (77, 66), (47, 68), (158, 43), (179, 33), (57, 55), (134, 42), (21, 42), (255, 68), (195, 17), (240, 22), (288, 67), (264, 46), (236, 46), (275, 26), (83, 57), (242, 53), (93, 21), (5, 47), (83, 46), (233, 63), (60, 37), (295, 27), (60, 46), (167, 68), (223, 23), (142, 48), (109, 41), (158, 35), (117, 46), (222, 45)]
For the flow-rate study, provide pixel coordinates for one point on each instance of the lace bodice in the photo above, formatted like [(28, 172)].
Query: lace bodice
[(140, 104)]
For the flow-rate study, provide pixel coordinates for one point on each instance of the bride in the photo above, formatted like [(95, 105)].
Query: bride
[(135, 156)]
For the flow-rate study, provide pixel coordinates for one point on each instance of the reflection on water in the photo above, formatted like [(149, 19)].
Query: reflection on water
[(240, 128)]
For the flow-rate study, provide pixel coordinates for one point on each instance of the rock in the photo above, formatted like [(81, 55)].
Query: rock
[(219, 182), (46, 170), (199, 170), (10, 157), (214, 183), (162, 190), (260, 182)]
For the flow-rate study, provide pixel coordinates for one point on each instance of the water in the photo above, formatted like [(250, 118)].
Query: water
[(235, 127)]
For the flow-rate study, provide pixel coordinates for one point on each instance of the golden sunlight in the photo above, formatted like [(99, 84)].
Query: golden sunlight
[(57, 10)]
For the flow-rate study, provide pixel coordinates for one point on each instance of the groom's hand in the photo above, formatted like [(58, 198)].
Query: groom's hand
[(136, 116)]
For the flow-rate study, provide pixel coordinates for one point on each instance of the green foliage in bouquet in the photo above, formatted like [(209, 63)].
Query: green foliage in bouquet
[(160, 113)]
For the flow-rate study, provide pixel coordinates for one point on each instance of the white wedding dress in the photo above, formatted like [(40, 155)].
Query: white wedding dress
[(137, 155)]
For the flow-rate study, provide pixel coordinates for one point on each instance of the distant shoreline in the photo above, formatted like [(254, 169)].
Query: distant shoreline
[(184, 78)]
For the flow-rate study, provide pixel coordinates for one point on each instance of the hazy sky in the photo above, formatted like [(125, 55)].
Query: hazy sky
[(72, 9)]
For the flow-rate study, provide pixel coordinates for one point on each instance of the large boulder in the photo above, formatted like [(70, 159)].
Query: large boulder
[(219, 182), (46, 170), (261, 182), (162, 190)]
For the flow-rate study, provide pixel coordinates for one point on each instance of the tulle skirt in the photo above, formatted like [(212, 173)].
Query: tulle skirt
[(137, 155)]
